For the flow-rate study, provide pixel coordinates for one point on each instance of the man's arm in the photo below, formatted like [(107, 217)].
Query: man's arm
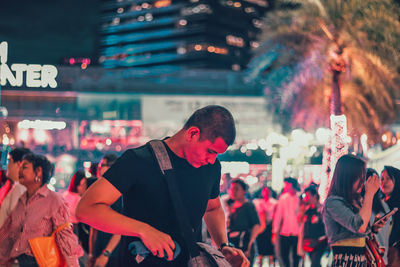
[(215, 221), (94, 209)]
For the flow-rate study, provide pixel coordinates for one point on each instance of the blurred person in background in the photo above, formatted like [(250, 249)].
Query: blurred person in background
[(5, 185), (38, 213), (105, 164), (379, 208), (345, 214), (84, 229), (94, 169), (312, 237), (266, 208), (243, 223), (16, 189), (390, 187), (285, 224), (104, 247), (77, 186)]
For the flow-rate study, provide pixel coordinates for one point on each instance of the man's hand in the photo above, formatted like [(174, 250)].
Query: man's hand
[(157, 242), (235, 257), (101, 261)]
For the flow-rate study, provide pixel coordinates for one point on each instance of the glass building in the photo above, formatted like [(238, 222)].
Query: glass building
[(175, 34)]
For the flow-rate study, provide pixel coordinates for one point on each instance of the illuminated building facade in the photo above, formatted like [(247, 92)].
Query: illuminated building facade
[(216, 34)]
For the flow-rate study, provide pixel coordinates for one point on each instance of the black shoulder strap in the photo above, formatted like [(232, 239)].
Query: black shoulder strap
[(164, 162)]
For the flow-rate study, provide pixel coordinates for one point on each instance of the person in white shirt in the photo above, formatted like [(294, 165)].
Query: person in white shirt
[(17, 189), (286, 219)]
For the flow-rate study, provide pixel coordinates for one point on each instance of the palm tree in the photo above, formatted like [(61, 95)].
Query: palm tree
[(322, 57)]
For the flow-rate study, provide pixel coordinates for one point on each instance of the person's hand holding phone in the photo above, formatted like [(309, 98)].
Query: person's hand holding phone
[(380, 221)]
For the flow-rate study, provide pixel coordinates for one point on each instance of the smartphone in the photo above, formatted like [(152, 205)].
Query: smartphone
[(387, 215)]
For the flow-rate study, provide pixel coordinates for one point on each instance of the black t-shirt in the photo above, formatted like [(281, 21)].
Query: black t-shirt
[(313, 225), (243, 219), (146, 197)]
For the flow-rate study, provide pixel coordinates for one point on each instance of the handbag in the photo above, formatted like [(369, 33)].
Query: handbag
[(373, 253), (46, 251), (201, 254)]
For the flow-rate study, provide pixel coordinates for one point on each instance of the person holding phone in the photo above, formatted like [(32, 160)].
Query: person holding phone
[(379, 210), (345, 215), (390, 186)]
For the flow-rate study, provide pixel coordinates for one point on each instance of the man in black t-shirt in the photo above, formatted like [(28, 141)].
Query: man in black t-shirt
[(148, 213)]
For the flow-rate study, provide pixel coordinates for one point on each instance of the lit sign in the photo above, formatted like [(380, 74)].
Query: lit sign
[(42, 125), (35, 75)]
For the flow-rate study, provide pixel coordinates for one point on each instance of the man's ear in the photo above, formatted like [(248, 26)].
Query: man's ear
[(193, 133)]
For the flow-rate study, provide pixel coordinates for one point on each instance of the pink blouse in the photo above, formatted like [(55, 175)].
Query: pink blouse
[(40, 216)]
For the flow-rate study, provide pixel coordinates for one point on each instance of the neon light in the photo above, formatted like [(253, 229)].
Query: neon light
[(42, 125)]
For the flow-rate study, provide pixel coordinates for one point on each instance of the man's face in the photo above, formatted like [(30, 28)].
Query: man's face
[(103, 167), (13, 169), (199, 153), (310, 198), (236, 192), (287, 187)]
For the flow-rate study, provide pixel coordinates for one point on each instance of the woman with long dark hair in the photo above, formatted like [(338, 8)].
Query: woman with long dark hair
[(345, 214), (77, 186), (390, 187)]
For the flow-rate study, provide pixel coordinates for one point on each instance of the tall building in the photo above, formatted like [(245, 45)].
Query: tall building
[(216, 34)]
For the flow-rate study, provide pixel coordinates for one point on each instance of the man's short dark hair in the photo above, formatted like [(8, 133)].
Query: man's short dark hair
[(293, 182), (111, 158), (241, 183), (18, 153), (313, 190), (213, 121), (43, 162)]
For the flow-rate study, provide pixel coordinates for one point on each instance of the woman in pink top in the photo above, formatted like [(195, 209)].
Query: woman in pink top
[(38, 213), (76, 188)]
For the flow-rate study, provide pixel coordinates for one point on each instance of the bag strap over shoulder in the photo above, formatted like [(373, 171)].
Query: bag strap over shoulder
[(161, 155), (164, 162), (61, 227)]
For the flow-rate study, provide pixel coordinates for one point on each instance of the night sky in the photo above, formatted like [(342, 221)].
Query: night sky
[(45, 31)]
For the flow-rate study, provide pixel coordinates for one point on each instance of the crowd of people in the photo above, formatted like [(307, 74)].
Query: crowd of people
[(126, 202)]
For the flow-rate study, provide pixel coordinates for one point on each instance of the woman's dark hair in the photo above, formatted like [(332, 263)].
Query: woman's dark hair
[(394, 175), (241, 183), (40, 161), (90, 181), (349, 169), (18, 153), (76, 180)]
